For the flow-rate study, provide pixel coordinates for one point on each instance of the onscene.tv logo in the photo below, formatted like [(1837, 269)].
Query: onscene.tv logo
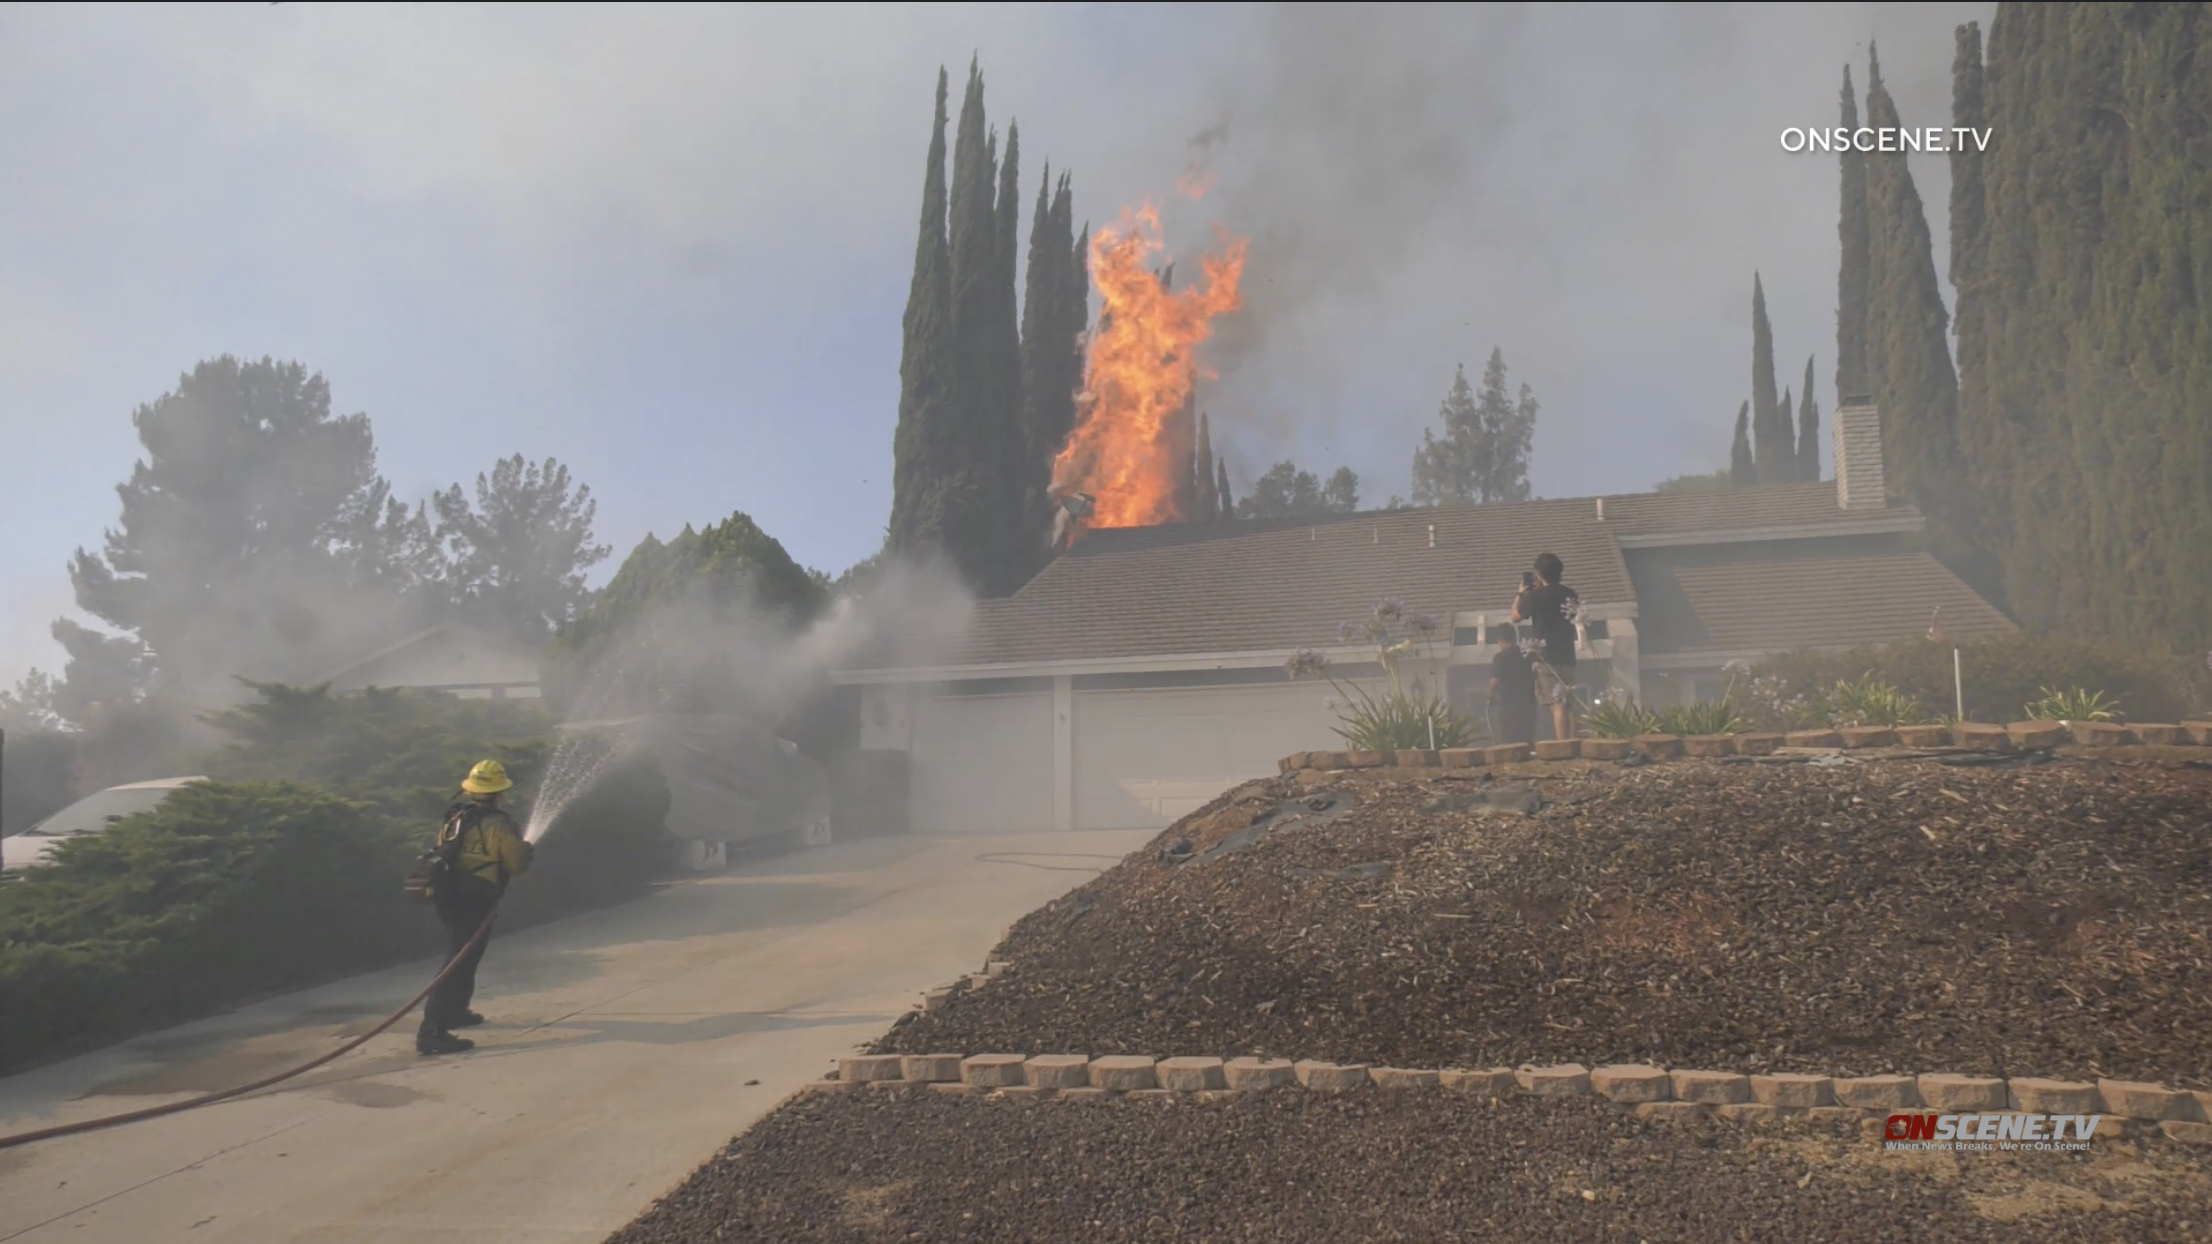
[(2006, 1130)]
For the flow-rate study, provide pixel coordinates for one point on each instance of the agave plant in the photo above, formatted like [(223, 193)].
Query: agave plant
[(1619, 718), (1871, 702), (1397, 721), (1713, 717), (2074, 705)]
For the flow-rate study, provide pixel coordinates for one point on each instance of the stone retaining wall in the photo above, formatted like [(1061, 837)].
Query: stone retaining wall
[(2020, 736), (1653, 1092)]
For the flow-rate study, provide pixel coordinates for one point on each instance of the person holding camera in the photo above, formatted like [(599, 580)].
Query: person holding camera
[(1550, 608)]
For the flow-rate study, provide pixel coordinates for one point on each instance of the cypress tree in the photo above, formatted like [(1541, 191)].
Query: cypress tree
[(1008, 446), (1742, 471), (1909, 359), (979, 504), (1041, 365), (1785, 418), (1851, 274), (1769, 436), (1209, 500), (1808, 431), (922, 454), (1221, 489), (1969, 264)]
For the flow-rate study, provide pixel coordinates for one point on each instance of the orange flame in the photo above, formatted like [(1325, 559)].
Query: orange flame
[(1130, 448)]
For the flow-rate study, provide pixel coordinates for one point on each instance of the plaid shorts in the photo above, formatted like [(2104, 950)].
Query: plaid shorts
[(1552, 683)]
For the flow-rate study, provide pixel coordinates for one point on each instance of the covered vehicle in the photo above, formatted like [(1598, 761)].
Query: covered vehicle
[(88, 815), (730, 781)]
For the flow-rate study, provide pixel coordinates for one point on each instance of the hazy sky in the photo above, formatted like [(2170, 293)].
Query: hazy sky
[(670, 245)]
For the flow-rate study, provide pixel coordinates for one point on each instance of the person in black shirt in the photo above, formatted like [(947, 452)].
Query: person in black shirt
[(1550, 608), (1512, 691)]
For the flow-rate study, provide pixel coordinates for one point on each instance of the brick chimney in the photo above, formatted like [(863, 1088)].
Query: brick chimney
[(1857, 428)]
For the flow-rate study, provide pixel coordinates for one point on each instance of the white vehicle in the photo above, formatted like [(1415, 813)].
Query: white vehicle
[(88, 815)]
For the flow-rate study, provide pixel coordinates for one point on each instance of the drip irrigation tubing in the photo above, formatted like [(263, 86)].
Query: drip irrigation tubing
[(177, 1107)]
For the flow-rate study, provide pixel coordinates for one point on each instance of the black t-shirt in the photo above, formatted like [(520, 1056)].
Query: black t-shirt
[(1550, 610), (1516, 678)]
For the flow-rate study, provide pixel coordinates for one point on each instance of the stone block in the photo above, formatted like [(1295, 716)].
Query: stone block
[(1331, 1077), (2038, 735), (1564, 1080), (935, 999), (1058, 1071), (1708, 746), (1879, 1092), (1330, 760), (1210, 1095), (1025, 1092), (1082, 1094), (1364, 760), (1982, 737), (991, 1070), (1631, 1082), (1497, 1082), (1606, 749), (1247, 1073), (2159, 734), (2204, 1105), (1757, 744), (1799, 1092), (1813, 738), (2186, 1132), (1124, 1073), (1460, 758), (1963, 1094), (2100, 734), (1924, 736), (2134, 1099), (2199, 732), (1714, 1088), (1674, 1111), (1191, 1075), (1751, 1112), (863, 1068), (1170, 1096), (955, 1090), (1400, 1078), (1868, 736), (2038, 1096), (890, 1086), (1556, 749), (1505, 754), (1293, 762), (1658, 746), (1416, 760)]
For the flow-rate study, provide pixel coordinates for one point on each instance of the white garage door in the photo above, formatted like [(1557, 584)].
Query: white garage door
[(982, 764), (1145, 758)]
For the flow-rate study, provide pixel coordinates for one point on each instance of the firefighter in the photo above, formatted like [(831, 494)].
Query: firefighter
[(484, 850)]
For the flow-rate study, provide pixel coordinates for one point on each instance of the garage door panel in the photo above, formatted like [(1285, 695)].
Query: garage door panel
[(982, 764), (1145, 758)]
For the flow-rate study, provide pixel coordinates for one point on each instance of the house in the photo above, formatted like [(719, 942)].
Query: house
[(467, 661), (1142, 673)]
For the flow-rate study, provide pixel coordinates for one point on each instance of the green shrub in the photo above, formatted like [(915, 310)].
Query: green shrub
[(222, 893), (1712, 717), (2075, 705), (1620, 718), (1399, 721), (1999, 675), (1869, 701)]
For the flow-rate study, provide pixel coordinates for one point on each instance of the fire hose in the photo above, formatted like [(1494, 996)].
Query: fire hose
[(154, 1112)]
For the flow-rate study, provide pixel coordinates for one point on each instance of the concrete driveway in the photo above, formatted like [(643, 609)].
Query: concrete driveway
[(624, 1047)]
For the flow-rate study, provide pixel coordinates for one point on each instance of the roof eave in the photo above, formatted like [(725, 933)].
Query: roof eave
[(1887, 524)]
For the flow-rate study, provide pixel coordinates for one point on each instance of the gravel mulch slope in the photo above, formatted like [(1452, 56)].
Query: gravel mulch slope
[(1288, 1167), (1864, 918)]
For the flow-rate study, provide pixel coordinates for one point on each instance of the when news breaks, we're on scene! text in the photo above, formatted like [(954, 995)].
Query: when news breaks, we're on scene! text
[(2004, 1130), (1932, 140)]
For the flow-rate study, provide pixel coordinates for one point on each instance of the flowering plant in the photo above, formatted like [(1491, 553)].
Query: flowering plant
[(1401, 717)]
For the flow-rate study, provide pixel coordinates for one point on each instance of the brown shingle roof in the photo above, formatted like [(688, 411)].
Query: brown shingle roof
[(1777, 604), (1285, 583), (1737, 509)]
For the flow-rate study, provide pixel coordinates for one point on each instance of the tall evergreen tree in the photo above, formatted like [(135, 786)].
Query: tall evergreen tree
[(1771, 434), (1008, 444), (1808, 431), (1209, 497), (1852, 278), (2086, 336), (1987, 464), (1742, 470), (923, 447), (1909, 353), (1785, 418), (1221, 489), (1454, 466), (1042, 363)]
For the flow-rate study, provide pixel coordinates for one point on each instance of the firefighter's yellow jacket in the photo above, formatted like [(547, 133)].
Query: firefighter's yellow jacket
[(493, 848)]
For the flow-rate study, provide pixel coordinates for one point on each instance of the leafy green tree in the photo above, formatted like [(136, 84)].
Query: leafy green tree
[(1742, 471), (1287, 492), (1455, 466), (1709, 481), (521, 553)]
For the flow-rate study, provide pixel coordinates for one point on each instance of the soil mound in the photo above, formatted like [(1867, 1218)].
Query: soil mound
[(1853, 919)]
